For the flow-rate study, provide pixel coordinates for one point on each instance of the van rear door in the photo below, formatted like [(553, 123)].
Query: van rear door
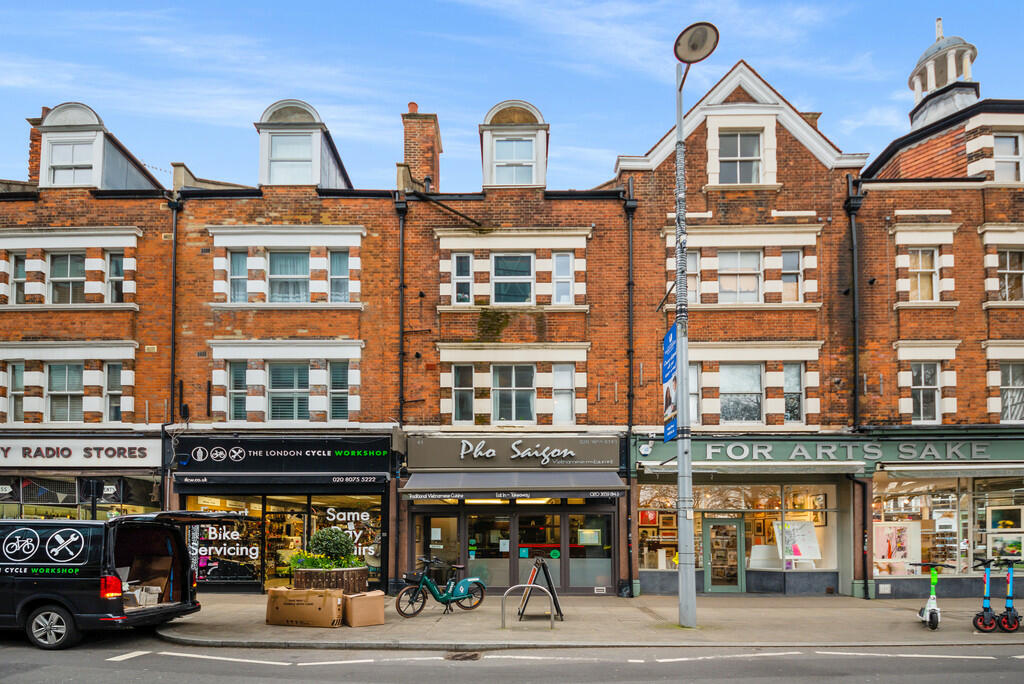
[(186, 517)]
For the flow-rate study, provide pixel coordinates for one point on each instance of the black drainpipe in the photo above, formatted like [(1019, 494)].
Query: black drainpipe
[(401, 207), (629, 205), (175, 206), (852, 205)]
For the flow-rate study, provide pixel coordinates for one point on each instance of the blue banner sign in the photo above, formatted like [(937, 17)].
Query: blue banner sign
[(668, 384)]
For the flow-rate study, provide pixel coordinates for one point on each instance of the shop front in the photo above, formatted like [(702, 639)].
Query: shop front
[(770, 516), (290, 487), (79, 478), (496, 503)]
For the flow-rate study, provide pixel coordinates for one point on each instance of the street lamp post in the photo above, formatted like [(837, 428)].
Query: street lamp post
[(695, 43)]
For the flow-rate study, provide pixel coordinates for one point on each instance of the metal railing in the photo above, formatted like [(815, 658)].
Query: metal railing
[(529, 587)]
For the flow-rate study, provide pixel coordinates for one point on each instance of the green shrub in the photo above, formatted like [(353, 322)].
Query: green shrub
[(333, 543)]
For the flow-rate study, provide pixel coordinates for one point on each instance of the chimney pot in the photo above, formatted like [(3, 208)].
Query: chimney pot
[(413, 108)]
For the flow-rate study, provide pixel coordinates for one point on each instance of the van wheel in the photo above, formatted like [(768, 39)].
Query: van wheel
[(52, 628)]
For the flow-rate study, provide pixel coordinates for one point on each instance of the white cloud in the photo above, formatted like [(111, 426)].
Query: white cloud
[(886, 117)]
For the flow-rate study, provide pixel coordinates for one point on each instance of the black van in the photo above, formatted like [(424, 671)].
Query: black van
[(59, 578)]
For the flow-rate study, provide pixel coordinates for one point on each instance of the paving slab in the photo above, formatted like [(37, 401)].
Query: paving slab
[(238, 621)]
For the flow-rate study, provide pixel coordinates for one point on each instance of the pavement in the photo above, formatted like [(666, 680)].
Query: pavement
[(238, 621)]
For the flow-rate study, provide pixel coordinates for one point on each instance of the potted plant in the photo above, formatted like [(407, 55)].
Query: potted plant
[(330, 563)]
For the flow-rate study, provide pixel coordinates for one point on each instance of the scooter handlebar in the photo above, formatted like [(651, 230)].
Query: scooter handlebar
[(934, 565)]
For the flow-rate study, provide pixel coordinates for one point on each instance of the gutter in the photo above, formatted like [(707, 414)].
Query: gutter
[(401, 207), (852, 205), (175, 206), (629, 206), (866, 513)]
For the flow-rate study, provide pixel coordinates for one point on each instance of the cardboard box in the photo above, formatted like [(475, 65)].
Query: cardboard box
[(151, 570), (304, 607), (364, 609)]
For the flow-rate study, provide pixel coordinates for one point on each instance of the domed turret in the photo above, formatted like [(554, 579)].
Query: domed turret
[(934, 80)]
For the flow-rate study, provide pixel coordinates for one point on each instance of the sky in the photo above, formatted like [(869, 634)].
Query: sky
[(185, 83)]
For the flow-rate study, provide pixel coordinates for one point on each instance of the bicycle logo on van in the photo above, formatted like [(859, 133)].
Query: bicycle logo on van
[(21, 544), (65, 545)]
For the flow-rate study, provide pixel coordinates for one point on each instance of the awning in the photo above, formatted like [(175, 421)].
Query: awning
[(514, 484), (926, 470), (754, 468)]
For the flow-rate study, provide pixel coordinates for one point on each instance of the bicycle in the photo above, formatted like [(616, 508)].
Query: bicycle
[(929, 614), (467, 594)]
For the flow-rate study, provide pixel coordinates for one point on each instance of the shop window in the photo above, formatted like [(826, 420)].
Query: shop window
[(1011, 275), (512, 278), (998, 517), (489, 548), (539, 535), (288, 391), (71, 163), (237, 389), (221, 557), (1011, 391), (238, 277), (923, 273), (114, 391), (16, 392), (924, 390), (692, 277), (1008, 158), (462, 394), (291, 159), (513, 394), (339, 390), (67, 278), (359, 516), (46, 498), (513, 161), (339, 276), (64, 392), (564, 394), (793, 391), (739, 157), (18, 279), (288, 275), (792, 275), (916, 521), (115, 277), (739, 276), (590, 550), (462, 279), (563, 278), (741, 393)]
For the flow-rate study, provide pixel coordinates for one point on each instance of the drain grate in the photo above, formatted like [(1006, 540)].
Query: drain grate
[(462, 655)]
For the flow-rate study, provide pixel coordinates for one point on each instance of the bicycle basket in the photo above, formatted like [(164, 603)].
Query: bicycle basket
[(412, 577)]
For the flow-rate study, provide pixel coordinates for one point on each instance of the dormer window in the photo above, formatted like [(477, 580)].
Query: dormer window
[(71, 163), (291, 159), (739, 157), (514, 145), (513, 161)]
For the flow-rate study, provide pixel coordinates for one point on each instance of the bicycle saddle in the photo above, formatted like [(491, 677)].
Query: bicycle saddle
[(458, 567)]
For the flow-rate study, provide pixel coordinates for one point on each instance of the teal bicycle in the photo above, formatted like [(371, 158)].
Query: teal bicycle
[(467, 594)]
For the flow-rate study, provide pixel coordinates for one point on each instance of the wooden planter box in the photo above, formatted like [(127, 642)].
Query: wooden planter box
[(349, 580)]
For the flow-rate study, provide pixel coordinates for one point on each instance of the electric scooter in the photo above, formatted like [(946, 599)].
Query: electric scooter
[(929, 614), (1008, 620), (986, 621)]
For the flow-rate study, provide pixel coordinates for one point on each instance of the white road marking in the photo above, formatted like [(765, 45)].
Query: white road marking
[(339, 662), (907, 655), (1020, 657), (127, 656), (523, 657), (635, 661), (717, 657), (230, 660), (398, 660)]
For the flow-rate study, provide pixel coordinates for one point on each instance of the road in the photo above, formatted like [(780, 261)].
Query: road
[(125, 658)]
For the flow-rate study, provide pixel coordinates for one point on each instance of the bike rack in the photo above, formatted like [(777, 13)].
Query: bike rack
[(551, 603)]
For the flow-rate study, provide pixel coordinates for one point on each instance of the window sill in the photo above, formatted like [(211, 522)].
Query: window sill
[(756, 427), (72, 425), (926, 305), (354, 306), (278, 424), (752, 306), (99, 306), (1002, 305), (742, 187), (531, 308), (495, 186)]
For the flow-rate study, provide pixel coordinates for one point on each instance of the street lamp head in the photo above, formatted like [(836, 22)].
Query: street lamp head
[(696, 42)]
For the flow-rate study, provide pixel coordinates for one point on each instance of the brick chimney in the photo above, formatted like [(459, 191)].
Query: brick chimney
[(811, 117), (422, 152), (35, 139)]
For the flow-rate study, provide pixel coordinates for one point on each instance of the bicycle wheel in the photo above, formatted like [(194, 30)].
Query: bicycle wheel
[(476, 597), (984, 624), (410, 601), (933, 619)]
